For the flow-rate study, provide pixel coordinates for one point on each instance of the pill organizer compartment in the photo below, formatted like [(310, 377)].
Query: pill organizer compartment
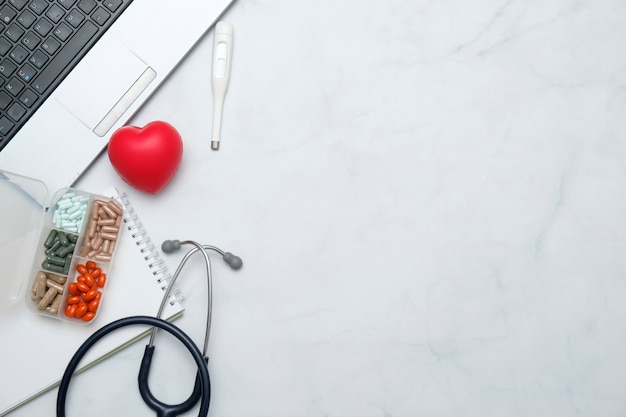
[(73, 256)]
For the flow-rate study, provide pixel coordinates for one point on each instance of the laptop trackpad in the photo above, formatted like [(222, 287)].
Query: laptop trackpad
[(104, 84)]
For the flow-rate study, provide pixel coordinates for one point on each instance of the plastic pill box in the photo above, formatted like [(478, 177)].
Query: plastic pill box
[(61, 252)]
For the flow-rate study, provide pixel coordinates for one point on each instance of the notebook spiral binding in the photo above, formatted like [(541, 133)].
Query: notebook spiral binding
[(150, 252)]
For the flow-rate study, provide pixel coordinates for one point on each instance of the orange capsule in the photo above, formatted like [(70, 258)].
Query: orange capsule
[(96, 272), (73, 289), (81, 278), (91, 265), (82, 287), (99, 295), (90, 295), (70, 310), (93, 305), (81, 309), (82, 269), (75, 299), (89, 280), (102, 279), (88, 316)]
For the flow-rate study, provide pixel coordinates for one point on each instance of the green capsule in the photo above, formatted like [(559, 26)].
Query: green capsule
[(56, 245), (66, 250), (63, 239), (50, 240), (54, 268), (56, 260), (68, 261)]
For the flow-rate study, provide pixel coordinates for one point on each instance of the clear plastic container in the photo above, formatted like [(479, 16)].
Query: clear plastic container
[(22, 207), (73, 255), (63, 253)]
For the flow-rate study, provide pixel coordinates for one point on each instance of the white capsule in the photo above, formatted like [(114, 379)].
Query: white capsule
[(75, 215)]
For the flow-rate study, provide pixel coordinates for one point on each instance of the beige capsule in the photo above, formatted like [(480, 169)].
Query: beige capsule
[(109, 229), (102, 214), (47, 298), (56, 303), (108, 236), (93, 226), (106, 246), (96, 242), (113, 205), (109, 211), (57, 278), (39, 286), (52, 284)]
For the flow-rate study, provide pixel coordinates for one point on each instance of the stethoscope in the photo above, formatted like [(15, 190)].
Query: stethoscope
[(202, 386)]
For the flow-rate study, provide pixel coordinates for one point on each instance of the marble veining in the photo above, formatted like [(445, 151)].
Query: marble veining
[(429, 197)]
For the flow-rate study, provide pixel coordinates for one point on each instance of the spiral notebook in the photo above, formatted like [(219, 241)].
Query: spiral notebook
[(137, 268)]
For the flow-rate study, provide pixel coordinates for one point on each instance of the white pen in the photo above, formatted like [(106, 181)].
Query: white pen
[(222, 58)]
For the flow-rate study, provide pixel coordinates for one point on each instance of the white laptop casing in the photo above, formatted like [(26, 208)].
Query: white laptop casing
[(118, 74)]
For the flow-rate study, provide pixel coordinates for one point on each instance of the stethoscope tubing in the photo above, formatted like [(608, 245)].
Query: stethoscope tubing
[(209, 275), (202, 387), (203, 371)]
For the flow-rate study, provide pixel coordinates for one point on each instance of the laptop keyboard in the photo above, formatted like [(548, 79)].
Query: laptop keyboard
[(40, 42)]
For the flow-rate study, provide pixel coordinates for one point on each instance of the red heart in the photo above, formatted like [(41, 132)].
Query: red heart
[(146, 158)]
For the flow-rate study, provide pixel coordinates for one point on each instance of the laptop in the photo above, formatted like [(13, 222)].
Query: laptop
[(74, 71)]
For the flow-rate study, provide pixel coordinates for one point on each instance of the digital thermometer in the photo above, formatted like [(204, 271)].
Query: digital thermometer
[(222, 58)]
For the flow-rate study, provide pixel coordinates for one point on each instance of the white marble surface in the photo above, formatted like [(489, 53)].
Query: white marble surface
[(430, 200)]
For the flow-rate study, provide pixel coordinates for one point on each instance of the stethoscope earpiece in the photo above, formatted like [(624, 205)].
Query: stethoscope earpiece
[(234, 261), (169, 246)]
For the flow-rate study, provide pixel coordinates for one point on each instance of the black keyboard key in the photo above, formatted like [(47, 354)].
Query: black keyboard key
[(14, 86), (7, 14), (64, 57), (18, 4), (5, 125), (67, 3), (5, 46), (7, 68), (63, 32), (27, 18), (30, 40), (5, 100), (18, 54), (87, 6), (40, 42), (112, 5), (51, 45), (14, 32), (55, 13), (26, 73), (38, 6), (38, 59), (43, 27), (75, 18), (28, 97), (16, 112), (100, 16)]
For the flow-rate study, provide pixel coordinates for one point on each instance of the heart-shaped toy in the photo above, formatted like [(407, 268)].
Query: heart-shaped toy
[(146, 158)]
